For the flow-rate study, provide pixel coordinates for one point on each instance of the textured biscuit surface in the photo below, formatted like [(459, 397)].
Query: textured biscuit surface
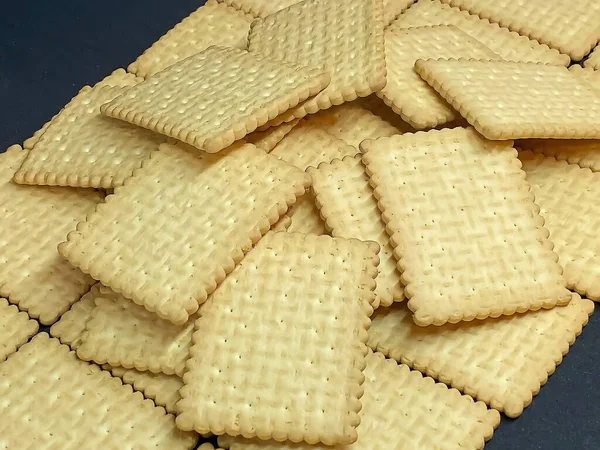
[(82, 148), (590, 75), (406, 92), (34, 221), (502, 362), (268, 139), (45, 391), (193, 102), (211, 24), (183, 221), (593, 60), (583, 152), (15, 328), (451, 198), (571, 27), (565, 192), (121, 333), (404, 410), (302, 33), (510, 100), (510, 45), (71, 325), (293, 315), (346, 201)]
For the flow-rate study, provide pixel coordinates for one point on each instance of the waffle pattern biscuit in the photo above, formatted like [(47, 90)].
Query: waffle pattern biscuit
[(302, 33), (593, 60), (305, 216), (451, 198), (404, 410), (268, 139), (88, 407), (271, 324), (211, 24), (34, 221), (15, 328), (183, 221), (70, 327), (571, 27), (510, 45), (563, 192), (346, 201), (121, 333), (82, 148), (502, 362), (162, 389), (352, 124), (405, 92), (509, 100), (583, 152), (191, 101)]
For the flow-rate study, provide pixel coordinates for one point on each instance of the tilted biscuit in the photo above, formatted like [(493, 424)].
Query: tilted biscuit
[(305, 216), (565, 192), (293, 315), (121, 333), (593, 60), (346, 202), (502, 362), (15, 328), (193, 102), (302, 33), (509, 100), (405, 92), (89, 408), (583, 152), (211, 24), (34, 220), (82, 148), (382, 111), (268, 139), (402, 409), (510, 45), (571, 27), (173, 231), (450, 199)]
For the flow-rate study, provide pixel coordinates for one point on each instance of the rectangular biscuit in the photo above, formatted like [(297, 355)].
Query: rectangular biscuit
[(502, 362), (293, 315), (565, 192), (451, 198), (268, 139), (211, 24), (34, 220), (510, 45), (82, 148), (302, 33), (406, 92), (121, 333), (15, 328), (345, 200), (571, 27), (510, 100), (403, 410), (191, 101), (89, 408), (183, 221)]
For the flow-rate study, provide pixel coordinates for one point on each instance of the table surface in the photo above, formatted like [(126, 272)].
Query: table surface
[(49, 50)]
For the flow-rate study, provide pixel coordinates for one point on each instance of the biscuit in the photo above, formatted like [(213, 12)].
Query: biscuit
[(259, 8), (510, 45), (268, 139), (393, 8), (15, 328), (82, 148), (451, 198), (571, 27), (294, 313), (405, 92), (88, 407), (402, 409), (590, 75), (502, 362), (509, 100), (302, 33), (345, 200), (173, 231), (378, 107), (191, 101), (583, 152), (305, 216), (593, 60), (211, 24), (34, 220)]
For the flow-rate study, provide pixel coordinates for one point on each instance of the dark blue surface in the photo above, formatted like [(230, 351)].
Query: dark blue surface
[(48, 50)]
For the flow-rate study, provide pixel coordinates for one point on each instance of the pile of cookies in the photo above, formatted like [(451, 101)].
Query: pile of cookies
[(303, 224)]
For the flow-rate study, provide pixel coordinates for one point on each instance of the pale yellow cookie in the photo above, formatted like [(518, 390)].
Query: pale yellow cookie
[(268, 139), (593, 60), (583, 152), (259, 8), (305, 216), (15, 328)]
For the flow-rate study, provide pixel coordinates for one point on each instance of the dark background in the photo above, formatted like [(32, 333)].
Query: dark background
[(50, 49)]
